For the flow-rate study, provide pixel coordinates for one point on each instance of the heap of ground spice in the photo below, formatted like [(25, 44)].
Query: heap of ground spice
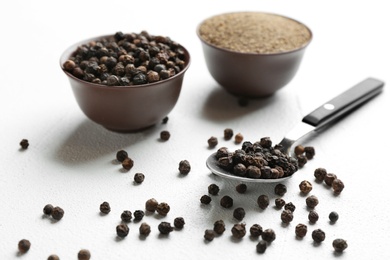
[(254, 32)]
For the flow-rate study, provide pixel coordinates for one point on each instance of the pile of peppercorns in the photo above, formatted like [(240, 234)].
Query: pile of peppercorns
[(127, 59)]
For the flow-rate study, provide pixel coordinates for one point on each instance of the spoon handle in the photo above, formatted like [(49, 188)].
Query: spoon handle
[(344, 103)]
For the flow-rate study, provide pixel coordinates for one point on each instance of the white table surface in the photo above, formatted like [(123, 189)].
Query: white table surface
[(71, 161)]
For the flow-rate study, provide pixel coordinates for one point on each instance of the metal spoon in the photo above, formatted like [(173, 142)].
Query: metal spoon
[(339, 106)]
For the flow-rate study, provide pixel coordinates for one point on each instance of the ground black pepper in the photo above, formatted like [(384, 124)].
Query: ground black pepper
[(179, 222), (228, 133), (139, 215), (84, 254), (165, 135), (263, 201), (312, 201), (126, 216), (289, 206), (318, 235), (139, 177), (226, 201), (261, 246), (205, 199), (339, 245), (127, 163), (48, 209), (57, 213), (184, 167), (122, 230), (338, 186), (24, 143), (305, 187), (238, 230), (301, 230), (287, 216), (165, 228), (105, 207), (313, 216), (239, 213), (320, 173), (268, 235), (151, 205), (213, 189), (209, 235), (241, 188), (163, 208), (219, 226), (212, 142), (279, 203), (255, 230), (121, 155), (333, 216), (144, 229), (280, 189), (24, 245)]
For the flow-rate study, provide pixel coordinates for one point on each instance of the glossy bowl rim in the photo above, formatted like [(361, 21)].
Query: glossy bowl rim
[(253, 53), (85, 41)]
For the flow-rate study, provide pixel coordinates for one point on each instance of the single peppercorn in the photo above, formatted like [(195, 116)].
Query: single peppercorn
[(84, 254), (299, 150), (268, 235), (313, 216), (333, 216), (320, 173), (329, 178), (266, 142), (280, 189), (165, 120), (213, 189), (24, 144), (339, 245), (337, 186), (305, 187), (228, 134), (179, 222), (253, 172), (184, 167), (238, 138), (255, 230), (287, 216), (302, 160), (241, 188), (24, 245), (122, 230), (309, 152), (121, 155), (151, 205), (240, 170), (318, 235), (312, 201), (144, 229), (69, 65), (205, 199), (219, 226), (127, 163), (279, 203), (261, 246), (139, 177), (105, 207), (238, 230), (165, 228), (209, 234), (48, 209), (57, 213), (165, 135), (289, 206), (163, 208), (53, 257), (126, 216), (212, 142), (263, 201), (139, 215), (226, 202), (239, 213), (301, 230)]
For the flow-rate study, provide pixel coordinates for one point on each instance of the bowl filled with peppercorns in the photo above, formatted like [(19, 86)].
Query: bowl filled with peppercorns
[(126, 81), (253, 54)]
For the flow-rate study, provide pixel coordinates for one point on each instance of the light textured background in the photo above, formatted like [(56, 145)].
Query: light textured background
[(70, 161)]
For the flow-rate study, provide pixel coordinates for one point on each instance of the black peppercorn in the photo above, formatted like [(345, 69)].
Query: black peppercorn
[(333, 216), (127, 163), (209, 234), (179, 222), (320, 173), (239, 213), (300, 230), (261, 246), (24, 245), (213, 189), (279, 203), (165, 120), (53, 257), (256, 230), (69, 65), (226, 201), (329, 178), (286, 216), (165, 135), (337, 186), (139, 177), (290, 206), (263, 201), (212, 142), (105, 207), (165, 228), (280, 189), (318, 235), (84, 254), (305, 187), (299, 150), (313, 216), (238, 230), (122, 230), (163, 208), (339, 245), (309, 152), (57, 213), (240, 170), (144, 229), (24, 144), (184, 167), (139, 215), (266, 142), (219, 226), (126, 216), (302, 160), (238, 138), (253, 172), (48, 209), (312, 201), (151, 205), (112, 80), (228, 133), (205, 199), (268, 235), (152, 76), (241, 188)]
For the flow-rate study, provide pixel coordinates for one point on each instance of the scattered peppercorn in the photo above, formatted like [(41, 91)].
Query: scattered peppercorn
[(48, 209), (122, 230), (127, 163), (53, 257), (279, 203), (289, 206), (318, 235), (299, 150), (139, 215), (184, 167), (165, 228), (228, 133), (287, 216), (84, 254), (312, 201), (268, 235), (57, 213), (238, 230), (165, 120), (256, 230), (121, 155), (126, 216), (205, 199), (263, 201), (209, 234), (163, 208), (301, 230), (241, 188), (151, 205), (333, 216), (238, 138), (339, 245), (139, 177), (24, 144), (144, 229), (305, 187), (239, 213), (212, 142), (309, 152), (320, 173), (165, 135), (105, 207), (302, 160), (24, 245), (179, 222), (280, 189), (337, 186), (329, 178), (219, 226), (261, 246), (313, 216), (213, 189), (226, 201)]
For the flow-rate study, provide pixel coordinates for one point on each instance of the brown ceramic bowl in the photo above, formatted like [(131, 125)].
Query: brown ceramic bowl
[(125, 108), (251, 74)]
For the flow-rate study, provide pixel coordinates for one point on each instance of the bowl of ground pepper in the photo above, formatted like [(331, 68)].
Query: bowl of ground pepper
[(126, 82), (253, 54)]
